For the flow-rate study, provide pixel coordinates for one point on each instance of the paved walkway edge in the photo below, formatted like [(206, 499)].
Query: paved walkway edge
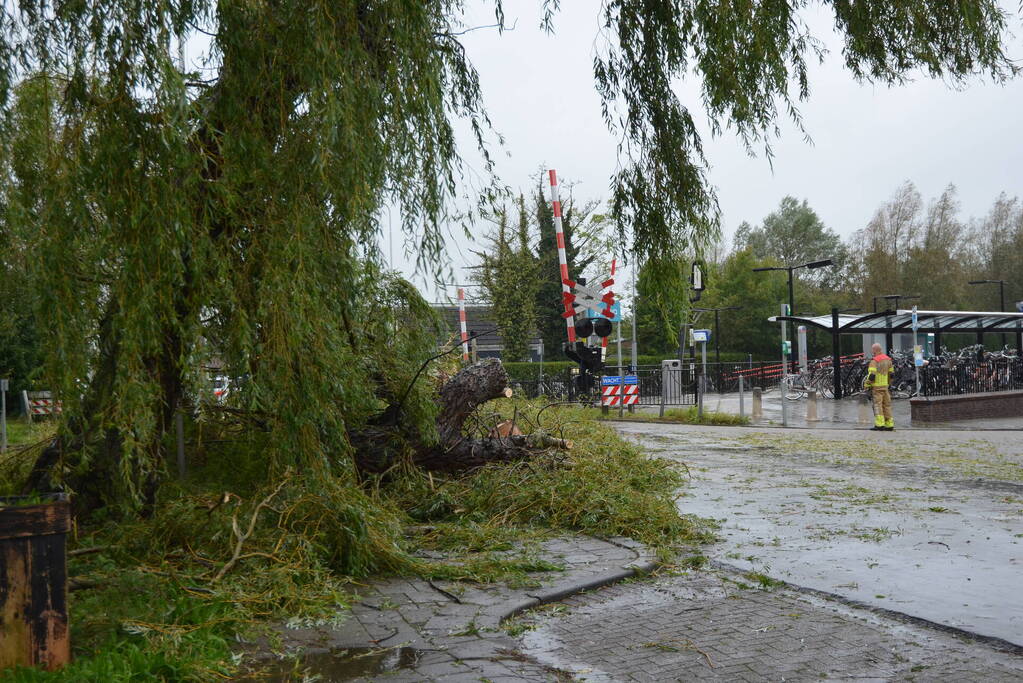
[(993, 641), (568, 590), (453, 628)]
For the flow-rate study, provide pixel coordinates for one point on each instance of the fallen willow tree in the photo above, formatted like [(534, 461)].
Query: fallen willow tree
[(455, 451)]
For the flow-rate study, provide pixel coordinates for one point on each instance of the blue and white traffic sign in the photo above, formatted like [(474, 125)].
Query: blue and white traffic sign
[(614, 380), (701, 336), (616, 309)]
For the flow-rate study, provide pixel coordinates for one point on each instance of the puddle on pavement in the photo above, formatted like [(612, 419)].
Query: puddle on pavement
[(340, 665)]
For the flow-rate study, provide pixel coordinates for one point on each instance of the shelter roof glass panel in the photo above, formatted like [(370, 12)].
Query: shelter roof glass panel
[(901, 321)]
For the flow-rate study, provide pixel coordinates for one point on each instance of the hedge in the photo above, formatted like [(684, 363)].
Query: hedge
[(530, 372)]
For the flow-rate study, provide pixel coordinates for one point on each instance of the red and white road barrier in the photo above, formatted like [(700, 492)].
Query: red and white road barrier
[(44, 406), (461, 323), (40, 403), (562, 256), (631, 397), (609, 396)]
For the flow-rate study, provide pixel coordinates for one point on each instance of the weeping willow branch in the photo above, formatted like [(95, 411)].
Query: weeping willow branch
[(240, 537)]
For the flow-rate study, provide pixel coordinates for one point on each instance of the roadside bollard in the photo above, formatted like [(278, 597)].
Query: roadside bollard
[(811, 405), (865, 417), (758, 408), (742, 402)]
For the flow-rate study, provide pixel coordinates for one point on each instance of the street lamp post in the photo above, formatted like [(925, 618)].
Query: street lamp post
[(792, 303), (1001, 296), (894, 297)]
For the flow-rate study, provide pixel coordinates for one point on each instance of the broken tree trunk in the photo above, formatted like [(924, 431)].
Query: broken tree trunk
[(467, 391), (458, 399)]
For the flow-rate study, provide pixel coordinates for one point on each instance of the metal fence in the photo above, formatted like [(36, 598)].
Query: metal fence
[(723, 378), (972, 376), (679, 385)]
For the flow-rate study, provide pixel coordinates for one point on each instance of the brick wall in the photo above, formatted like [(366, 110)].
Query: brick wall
[(967, 406)]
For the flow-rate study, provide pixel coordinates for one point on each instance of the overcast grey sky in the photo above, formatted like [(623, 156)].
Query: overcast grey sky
[(867, 139)]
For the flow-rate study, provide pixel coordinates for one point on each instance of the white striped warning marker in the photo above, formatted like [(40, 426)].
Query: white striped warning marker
[(44, 406), (562, 256), (631, 395), (461, 323), (609, 396)]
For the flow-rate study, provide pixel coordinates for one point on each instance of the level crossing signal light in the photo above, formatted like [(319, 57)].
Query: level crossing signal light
[(588, 327)]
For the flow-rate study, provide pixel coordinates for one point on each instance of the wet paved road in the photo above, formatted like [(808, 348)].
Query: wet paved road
[(928, 524)]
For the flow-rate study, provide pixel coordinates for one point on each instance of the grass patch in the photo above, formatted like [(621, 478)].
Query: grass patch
[(169, 597), (763, 580), (21, 432), (683, 416), (25, 440)]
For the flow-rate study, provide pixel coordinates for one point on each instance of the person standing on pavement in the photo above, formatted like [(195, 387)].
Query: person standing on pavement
[(878, 378)]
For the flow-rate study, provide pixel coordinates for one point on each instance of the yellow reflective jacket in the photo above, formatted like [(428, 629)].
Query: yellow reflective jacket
[(879, 372)]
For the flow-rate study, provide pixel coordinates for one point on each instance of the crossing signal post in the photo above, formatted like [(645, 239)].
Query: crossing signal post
[(578, 301), (589, 358)]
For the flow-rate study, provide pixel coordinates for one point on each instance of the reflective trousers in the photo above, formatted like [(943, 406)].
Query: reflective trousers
[(882, 407)]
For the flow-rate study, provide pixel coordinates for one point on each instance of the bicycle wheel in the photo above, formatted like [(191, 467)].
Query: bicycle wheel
[(794, 392)]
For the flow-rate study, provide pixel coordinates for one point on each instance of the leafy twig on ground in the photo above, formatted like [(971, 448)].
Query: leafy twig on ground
[(242, 537)]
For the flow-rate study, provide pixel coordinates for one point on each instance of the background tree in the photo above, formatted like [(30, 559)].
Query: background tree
[(733, 283), (662, 304), (508, 276), (795, 234), (935, 265), (893, 229)]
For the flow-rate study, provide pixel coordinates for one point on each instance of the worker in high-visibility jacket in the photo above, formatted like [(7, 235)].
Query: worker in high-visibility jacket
[(877, 381)]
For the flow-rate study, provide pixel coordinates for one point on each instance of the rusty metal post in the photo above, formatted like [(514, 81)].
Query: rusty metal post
[(33, 582)]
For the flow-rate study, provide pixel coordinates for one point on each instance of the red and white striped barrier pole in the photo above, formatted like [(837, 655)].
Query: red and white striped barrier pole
[(461, 323), (603, 341), (562, 256)]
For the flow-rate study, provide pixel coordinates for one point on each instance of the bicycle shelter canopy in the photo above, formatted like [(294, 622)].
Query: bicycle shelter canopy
[(928, 322)]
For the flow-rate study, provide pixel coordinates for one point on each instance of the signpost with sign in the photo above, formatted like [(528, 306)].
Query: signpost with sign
[(701, 337), (918, 354)]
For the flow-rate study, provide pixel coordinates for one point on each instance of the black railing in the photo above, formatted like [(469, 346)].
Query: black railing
[(970, 376), (679, 391)]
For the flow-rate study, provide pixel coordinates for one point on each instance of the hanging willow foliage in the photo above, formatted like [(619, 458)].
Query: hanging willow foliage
[(230, 212)]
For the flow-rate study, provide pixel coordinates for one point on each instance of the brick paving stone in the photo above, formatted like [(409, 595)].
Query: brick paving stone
[(748, 635), (410, 612)]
